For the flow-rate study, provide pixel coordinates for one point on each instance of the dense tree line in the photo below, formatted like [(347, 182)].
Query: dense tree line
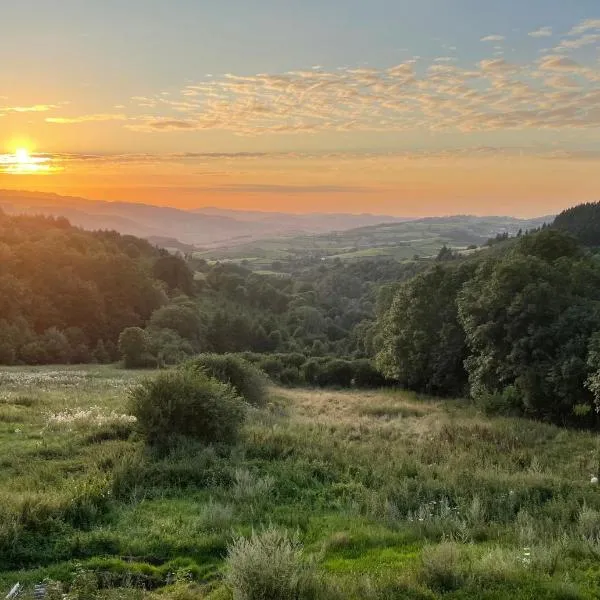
[(516, 329), (582, 221), (66, 294)]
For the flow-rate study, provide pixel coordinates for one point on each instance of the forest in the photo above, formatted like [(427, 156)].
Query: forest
[(514, 325)]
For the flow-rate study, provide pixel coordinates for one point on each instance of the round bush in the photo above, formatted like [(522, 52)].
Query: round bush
[(246, 379), (186, 403), (269, 565)]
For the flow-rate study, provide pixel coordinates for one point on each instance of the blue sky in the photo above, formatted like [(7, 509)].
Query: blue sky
[(143, 44)]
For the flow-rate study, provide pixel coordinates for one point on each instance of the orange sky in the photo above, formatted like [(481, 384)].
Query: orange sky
[(481, 112), (390, 184)]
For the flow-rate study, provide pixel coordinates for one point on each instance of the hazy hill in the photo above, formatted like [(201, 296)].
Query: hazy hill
[(207, 227), (400, 240)]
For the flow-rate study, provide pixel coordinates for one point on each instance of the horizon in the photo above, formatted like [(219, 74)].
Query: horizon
[(200, 209), (393, 108)]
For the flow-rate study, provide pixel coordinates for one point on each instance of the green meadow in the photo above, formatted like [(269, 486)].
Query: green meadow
[(388, 495)]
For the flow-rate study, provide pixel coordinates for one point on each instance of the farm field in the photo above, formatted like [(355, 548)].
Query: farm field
[(390, 495), (400, 241)]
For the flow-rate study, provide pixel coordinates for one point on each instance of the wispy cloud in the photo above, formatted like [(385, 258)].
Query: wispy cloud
[(495, 94), (86, 119), (541, 32), (585, 26), (28, 109), (493, 38), (579, 42), (287, 189)]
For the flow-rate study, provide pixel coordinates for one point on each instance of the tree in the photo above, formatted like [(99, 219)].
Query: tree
[(182, 318), (175, 273), (582, 221), (421, 343), (133, 347), (528, 317), (100, 353)]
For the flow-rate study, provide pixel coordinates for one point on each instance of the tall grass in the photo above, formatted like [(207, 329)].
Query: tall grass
[(388, 496)]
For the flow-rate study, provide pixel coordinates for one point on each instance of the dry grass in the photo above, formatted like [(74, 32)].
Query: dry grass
[(341, 407)]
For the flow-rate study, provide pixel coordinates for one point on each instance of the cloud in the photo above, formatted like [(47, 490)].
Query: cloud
[(493, 95), (288, 189), (170, 125), (493, 38), (416, 95), (558, 63), (584, 40), (86, 119), (496, 65), (28, 109), (562, 82), (584, 26), (541, 32)]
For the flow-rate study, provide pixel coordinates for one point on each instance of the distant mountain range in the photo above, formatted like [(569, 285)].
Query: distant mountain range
[(202, 227)]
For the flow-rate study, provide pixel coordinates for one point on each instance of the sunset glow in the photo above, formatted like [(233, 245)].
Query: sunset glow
[(22, 162), (482, 112)]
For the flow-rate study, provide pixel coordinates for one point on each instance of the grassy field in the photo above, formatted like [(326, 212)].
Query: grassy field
[(391, 495)]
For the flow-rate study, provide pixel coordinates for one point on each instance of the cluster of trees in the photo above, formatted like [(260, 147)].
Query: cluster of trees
[(583, 222), (517, 329), (66, 294)]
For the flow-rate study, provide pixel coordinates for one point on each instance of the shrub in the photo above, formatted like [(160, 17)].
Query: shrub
[(441, 567), (186, 403), (337, 373), (269, 566), (366, 375), (246, 379)]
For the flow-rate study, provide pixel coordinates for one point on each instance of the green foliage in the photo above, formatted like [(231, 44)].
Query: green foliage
[(528, 317), (511, 328), (582, 221), (175, 273), (101, 354), (441, 567), (134, 346), (183, 318), (422, 345), (269, 566), (167, 347), (246, 379), (186, 403), (62, 289)]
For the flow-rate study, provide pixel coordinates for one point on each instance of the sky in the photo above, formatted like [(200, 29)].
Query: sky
[(403, 107)]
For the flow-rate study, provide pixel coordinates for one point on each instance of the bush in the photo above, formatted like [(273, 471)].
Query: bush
[(366, 375), (336, 373), (441, 567), (246, 379), (186, 403), (269, 566)]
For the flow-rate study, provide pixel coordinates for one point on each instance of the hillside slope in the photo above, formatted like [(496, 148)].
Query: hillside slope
[(202, 227), (402, 240)]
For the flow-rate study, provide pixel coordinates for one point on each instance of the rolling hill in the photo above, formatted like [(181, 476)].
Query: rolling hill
[(400, 240), (205, 227)]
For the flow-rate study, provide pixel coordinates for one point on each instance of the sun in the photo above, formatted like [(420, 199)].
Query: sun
[(23, 156), (23, 162)]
